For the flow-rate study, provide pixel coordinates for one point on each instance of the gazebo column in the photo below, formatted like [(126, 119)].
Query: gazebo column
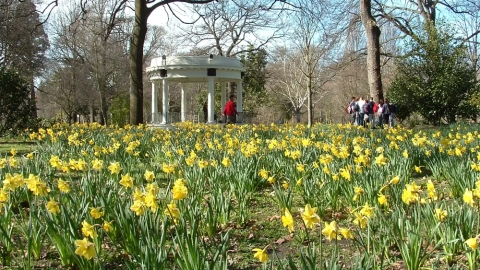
[(210, 105), (183, 110), (154, 104), (165, 101), (239, 101), (224, 95)]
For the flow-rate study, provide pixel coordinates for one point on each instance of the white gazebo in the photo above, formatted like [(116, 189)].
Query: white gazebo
[(194, 69)]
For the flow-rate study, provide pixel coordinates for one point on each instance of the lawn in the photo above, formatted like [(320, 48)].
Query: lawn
[(240, 197)]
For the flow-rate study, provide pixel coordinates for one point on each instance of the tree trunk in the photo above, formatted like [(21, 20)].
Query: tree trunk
[(309, 102), (136, 62), (373, 49), (297, 115), (33, 98)]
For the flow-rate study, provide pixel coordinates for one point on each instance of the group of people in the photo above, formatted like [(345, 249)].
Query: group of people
[(229, 112), (368, 112)]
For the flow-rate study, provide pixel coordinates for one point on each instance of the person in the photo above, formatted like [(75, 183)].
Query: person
[(351, 110), (361, 113), (371, 112), (386, 112), (205, 112), (379, 113), (393, 111), (230, 111)]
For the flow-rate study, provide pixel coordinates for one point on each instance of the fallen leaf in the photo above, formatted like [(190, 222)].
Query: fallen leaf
[(273, 218), (280, 241)]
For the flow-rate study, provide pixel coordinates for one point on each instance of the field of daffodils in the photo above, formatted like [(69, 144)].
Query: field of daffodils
[(242, 197)]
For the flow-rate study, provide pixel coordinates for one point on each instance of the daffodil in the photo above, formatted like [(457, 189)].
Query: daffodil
[(287, 220), (380, 160), (345, 174), (301, 167), (168, 168), (97, 164), (382, 200), (310, 216), (126, 181), (172, 211), (3, 196), (107, 226), (360, 220), (395, 180), (263, 173), (346, 233), (226, 162), (138, 207), (85, 248), (260, 254), (179, 190), (38, 187), (88, 230), (63, 186), (149, 175), (115, 168), (96, 212), (440, 214), (52, 207), (472, 243), (468, 197), (330, 231), (367, 211)]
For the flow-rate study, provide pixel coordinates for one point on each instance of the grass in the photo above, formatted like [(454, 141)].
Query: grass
[(22, 146)]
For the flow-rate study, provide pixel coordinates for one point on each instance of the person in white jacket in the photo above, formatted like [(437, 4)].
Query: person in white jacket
[(361, 113)]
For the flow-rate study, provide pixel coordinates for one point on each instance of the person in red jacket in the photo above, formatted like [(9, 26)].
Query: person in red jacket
[(230, 111)]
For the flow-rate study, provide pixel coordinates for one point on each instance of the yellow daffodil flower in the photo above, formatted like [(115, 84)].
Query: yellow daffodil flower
[(52, 207), (96, 212), (260, 254), (472, 243), (126, 181), (287, 220), (85, 248), (310, 216)]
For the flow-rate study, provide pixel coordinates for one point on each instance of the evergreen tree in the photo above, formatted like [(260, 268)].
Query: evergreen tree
[(254, 79), (435, 79), (15, 104)]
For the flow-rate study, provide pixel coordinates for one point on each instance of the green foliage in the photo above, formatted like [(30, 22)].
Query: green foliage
[(16, 108), (120, 110), (435, 79), (255, 78)]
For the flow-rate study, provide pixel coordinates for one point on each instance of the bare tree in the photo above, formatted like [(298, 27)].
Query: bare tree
[(319, 28), (143, 9), (230, 28), (303, 71), (372, 31)]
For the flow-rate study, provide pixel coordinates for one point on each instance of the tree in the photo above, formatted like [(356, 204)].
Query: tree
[(255, 78), (310, 63), (23, 41), (143, 9), (435, 79), (15, 104), (231, 28), (372, 31), (236, 28)]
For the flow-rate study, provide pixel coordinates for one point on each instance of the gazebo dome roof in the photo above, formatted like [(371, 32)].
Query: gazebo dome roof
[(195, 68)]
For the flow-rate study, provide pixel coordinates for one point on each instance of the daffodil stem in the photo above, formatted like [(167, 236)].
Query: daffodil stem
[(472, 260)]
